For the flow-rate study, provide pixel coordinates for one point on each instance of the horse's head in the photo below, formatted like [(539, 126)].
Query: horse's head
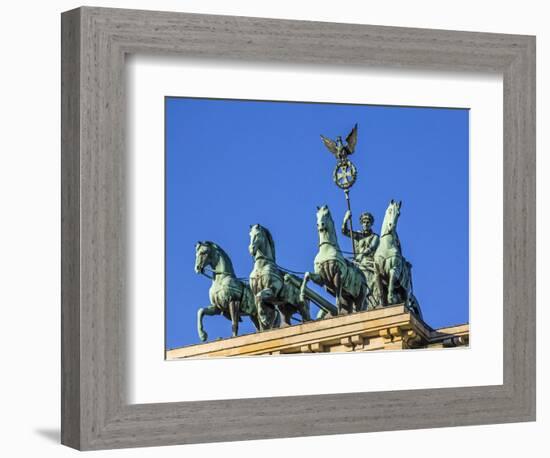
[(261, 242), (325, 223), (204, 254), (391, 217), (325, 226)]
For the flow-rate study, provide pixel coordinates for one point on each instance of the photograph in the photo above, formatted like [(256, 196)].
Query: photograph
[(271, 228), (296, 227)]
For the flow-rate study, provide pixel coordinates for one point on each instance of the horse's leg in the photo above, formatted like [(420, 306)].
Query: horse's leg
[(276, 318), (266, 320), (393, 280), (406, 284), (303, 308), (210, 310), (286, 313), (262, 315), (303, 286), (321, 314), (301, 303), (248, 308), (379, 296), (234, 313), (411, 299), (261, 310), (339, 287), (390, 298), (314, 277), (365, 305), (403, 284), (255, 322), (317, 279), (358, 303)]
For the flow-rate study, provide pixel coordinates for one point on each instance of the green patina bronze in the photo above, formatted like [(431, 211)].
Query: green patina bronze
[(267, 282), (345, 173), (365, 244), (393, 276), (340, 277), (377, 275), (229, 296)]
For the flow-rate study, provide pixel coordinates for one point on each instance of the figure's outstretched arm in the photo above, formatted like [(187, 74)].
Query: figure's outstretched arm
[(345, 229)]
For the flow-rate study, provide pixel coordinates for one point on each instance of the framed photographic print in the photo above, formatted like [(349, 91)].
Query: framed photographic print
[(262, 161), (339, 216)]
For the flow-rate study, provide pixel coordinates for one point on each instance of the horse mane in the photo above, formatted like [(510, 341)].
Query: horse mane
[(331, 219), (384, 222), (221, 251), (333, 225), (270, 241)]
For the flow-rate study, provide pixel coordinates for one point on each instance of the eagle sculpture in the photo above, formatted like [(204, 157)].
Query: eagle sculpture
[(341, 151)]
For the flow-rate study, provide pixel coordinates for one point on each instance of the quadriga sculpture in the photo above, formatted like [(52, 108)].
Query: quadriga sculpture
[(340, 277), (229, 296), (393, 277), (267, 282)]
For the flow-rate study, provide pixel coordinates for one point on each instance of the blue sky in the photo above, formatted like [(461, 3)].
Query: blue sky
[(233, 163)]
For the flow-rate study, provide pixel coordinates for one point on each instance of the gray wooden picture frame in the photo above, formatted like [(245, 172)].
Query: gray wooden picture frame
[(95, 413)]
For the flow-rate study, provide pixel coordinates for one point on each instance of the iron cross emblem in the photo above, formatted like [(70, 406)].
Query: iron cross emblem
[(345, 173)]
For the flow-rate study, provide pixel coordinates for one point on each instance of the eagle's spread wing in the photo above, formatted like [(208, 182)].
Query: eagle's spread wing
[(330, 144), (351, 140)]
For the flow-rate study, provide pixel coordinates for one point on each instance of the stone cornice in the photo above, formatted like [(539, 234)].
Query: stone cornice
[(386, 328)]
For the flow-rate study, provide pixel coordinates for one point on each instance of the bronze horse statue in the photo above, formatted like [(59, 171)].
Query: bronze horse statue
[(269, 287), (340, 277), (229, 296), (393, 277)]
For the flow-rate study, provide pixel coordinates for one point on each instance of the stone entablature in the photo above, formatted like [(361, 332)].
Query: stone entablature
[(388, 328)]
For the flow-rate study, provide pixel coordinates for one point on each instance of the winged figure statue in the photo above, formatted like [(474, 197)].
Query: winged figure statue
[(340, 150)]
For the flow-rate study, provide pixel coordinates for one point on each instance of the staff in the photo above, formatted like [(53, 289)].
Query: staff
[(345, 173), (346, 192)]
